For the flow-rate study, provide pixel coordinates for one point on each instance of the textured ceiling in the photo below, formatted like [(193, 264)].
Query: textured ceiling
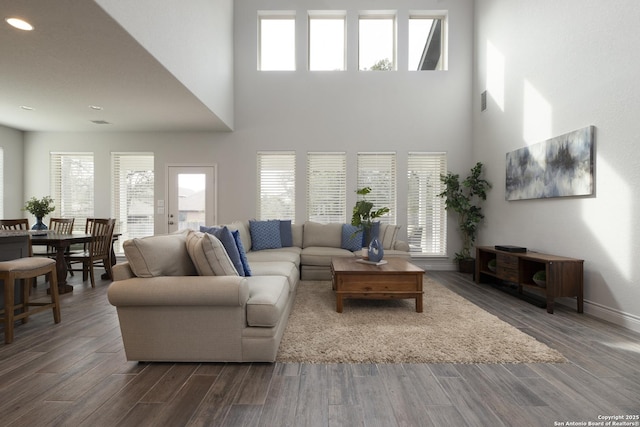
[(78, 56)]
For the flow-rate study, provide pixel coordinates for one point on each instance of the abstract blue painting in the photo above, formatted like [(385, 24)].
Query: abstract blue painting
[(558, 167)]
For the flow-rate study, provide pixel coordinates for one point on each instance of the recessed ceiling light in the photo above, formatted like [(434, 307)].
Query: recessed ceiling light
[(95, 107), (19, 24), (26, 107)]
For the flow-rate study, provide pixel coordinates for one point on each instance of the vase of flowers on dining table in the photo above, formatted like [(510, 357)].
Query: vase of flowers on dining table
[(39, 208)]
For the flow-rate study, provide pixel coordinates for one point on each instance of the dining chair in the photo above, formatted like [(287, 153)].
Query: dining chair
[(97, 252), (61, 225), (57, 225), (14, 224)]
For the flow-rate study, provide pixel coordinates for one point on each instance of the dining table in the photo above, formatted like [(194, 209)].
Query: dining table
[(62, 242)]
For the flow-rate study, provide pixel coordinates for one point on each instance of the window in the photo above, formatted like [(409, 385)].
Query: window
[(426, 216), (426, 43), (327, 187), (1, 182), (72, 186), (132, 196), (277, 185), (376, 42), (378, 171), (326, 42), (277, 42)]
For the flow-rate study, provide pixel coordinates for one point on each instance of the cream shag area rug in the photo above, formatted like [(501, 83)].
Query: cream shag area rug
[(450, 330)]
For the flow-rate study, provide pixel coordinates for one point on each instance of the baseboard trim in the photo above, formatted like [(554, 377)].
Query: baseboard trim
[(607, 314), (626, 320)]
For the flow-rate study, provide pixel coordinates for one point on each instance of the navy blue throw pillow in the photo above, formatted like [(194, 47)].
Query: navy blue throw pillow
[(286, 235), (265, 234)]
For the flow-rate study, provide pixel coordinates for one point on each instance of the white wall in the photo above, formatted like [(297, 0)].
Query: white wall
[(193, 40), (553, 67), (351, 111), (11, 141)]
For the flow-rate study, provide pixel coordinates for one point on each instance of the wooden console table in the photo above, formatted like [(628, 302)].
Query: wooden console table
[(564, 275)]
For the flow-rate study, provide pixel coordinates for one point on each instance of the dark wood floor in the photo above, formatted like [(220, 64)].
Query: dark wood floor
[(75, 374)]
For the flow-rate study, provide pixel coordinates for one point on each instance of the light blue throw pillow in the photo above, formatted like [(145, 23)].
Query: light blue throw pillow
[(243, 254), (229, 242), (351, 237), (265, 235)]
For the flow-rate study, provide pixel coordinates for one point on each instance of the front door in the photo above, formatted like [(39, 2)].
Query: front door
[(191, 197)]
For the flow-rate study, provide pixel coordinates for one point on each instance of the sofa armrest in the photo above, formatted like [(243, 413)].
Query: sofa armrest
[(180, 291), (400, 245), (122, 271)]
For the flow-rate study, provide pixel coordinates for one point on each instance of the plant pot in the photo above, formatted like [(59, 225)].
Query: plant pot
[(467, 265)]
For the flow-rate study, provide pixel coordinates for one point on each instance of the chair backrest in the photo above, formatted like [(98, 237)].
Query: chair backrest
[(101, 236), (14, 224), (61, 225), (88, 226)]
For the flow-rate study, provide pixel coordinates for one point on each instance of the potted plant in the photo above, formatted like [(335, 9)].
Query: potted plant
[(363, 214), (39, 208), (465, 198), (540, 278)]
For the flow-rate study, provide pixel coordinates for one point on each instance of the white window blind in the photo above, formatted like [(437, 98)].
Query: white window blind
[(327, 187), (426, 216), (72, 186), (277, 185), (378, 171), (132, 197), (1, 182)]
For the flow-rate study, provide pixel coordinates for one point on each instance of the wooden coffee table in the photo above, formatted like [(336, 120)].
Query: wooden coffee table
[(397, 279)]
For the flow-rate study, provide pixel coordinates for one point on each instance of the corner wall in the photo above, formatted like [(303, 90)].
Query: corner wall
[(550, 68)]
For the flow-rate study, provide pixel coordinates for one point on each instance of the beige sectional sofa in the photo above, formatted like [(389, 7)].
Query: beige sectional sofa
[(179, 298), (315, 244)]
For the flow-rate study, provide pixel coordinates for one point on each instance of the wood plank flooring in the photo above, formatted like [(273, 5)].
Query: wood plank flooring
[(75, 374)]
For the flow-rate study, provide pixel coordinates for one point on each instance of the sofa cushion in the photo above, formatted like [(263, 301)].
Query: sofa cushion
[(278, 268), (297, 231), (229, 242), (265, 235), (268, 296), (351, 237), (161, 255), (208, 255), (291, 254), (321, 255), (316, 234), (241, 252)]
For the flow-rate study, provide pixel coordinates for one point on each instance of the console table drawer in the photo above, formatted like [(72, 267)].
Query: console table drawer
[(507, 267)]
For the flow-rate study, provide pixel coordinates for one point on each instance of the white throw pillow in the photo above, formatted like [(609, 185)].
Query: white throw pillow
[(388, 235), (208, 255)]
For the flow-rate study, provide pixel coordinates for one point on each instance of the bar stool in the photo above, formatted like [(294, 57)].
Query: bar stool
[(26, 269)]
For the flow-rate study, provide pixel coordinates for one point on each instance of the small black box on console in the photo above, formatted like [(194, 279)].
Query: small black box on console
[(510, 248)]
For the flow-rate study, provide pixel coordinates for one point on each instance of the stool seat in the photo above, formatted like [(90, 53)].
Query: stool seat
[(26, 269), (26, 264)]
